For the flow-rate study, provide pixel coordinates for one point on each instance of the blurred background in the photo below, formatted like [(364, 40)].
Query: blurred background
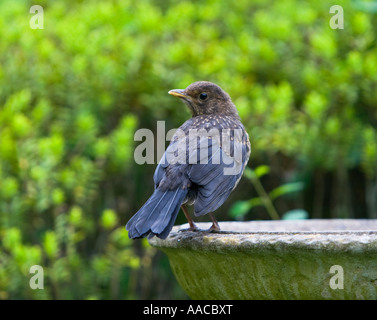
[(73, 94)]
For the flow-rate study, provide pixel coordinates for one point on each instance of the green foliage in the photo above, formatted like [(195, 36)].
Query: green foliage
[(285, 188), (73, 94), (108, 219), (297, 214), (240, 208)]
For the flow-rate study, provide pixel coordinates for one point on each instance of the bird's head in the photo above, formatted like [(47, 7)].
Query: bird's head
[(205, 97)]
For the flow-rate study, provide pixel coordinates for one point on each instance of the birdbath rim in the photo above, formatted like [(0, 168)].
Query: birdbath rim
[(283, 259), (329, 234)]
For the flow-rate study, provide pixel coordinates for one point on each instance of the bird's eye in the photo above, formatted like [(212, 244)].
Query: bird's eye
[(203, 96)]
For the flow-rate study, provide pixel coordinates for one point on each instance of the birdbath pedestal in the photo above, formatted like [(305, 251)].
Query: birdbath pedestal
[(292, 259)]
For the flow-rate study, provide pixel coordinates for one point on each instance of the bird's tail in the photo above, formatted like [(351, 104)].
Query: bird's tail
[(157, 215)]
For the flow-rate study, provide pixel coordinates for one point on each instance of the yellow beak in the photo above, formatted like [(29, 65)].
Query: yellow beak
[(178, 93)]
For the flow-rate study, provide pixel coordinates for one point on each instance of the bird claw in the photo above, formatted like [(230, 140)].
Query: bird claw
[(192, 229), (213, 229)]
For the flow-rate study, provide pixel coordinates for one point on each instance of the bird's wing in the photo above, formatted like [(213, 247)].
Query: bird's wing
[(160, 171), (217, 177), (175, 154), (214, 164)]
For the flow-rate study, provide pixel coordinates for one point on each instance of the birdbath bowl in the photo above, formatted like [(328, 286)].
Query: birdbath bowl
[(288, 259)]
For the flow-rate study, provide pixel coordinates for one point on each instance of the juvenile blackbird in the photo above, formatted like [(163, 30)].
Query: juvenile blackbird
[(201, 166)]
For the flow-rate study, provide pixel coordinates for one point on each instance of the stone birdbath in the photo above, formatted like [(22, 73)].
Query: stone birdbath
[(287, 259)]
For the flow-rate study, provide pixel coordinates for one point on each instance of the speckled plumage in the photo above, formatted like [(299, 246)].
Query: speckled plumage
[(194, 167)]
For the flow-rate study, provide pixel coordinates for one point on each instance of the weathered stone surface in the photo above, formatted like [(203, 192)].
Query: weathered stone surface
[(275, 259)]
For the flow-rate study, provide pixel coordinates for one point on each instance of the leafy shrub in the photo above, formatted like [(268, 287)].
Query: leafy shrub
[(73, 94)]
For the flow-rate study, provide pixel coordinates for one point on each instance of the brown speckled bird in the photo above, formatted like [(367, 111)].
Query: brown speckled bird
[(201, 166)]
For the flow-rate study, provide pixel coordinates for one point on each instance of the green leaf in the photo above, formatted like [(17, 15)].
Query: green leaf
[(296, 214), (286, 188), (241, 208), (75, 216), (109, 219), (254, 202), (50, 244), (120, 237), (249, 173), (58, 196), (9, 187), (261, 170), (12, 238)]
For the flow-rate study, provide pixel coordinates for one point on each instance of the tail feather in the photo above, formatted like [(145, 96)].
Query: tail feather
[(157, 215)]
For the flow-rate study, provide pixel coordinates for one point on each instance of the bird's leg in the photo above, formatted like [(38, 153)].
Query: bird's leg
[(215, 226), (193, 226)]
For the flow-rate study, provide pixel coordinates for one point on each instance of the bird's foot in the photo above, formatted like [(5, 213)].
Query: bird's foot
[(214, 228), (192, 228)]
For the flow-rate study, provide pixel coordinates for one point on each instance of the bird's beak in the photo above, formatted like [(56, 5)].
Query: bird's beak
[(178, 93)]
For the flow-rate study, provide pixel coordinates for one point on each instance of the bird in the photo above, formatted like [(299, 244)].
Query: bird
[(201, 166)]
